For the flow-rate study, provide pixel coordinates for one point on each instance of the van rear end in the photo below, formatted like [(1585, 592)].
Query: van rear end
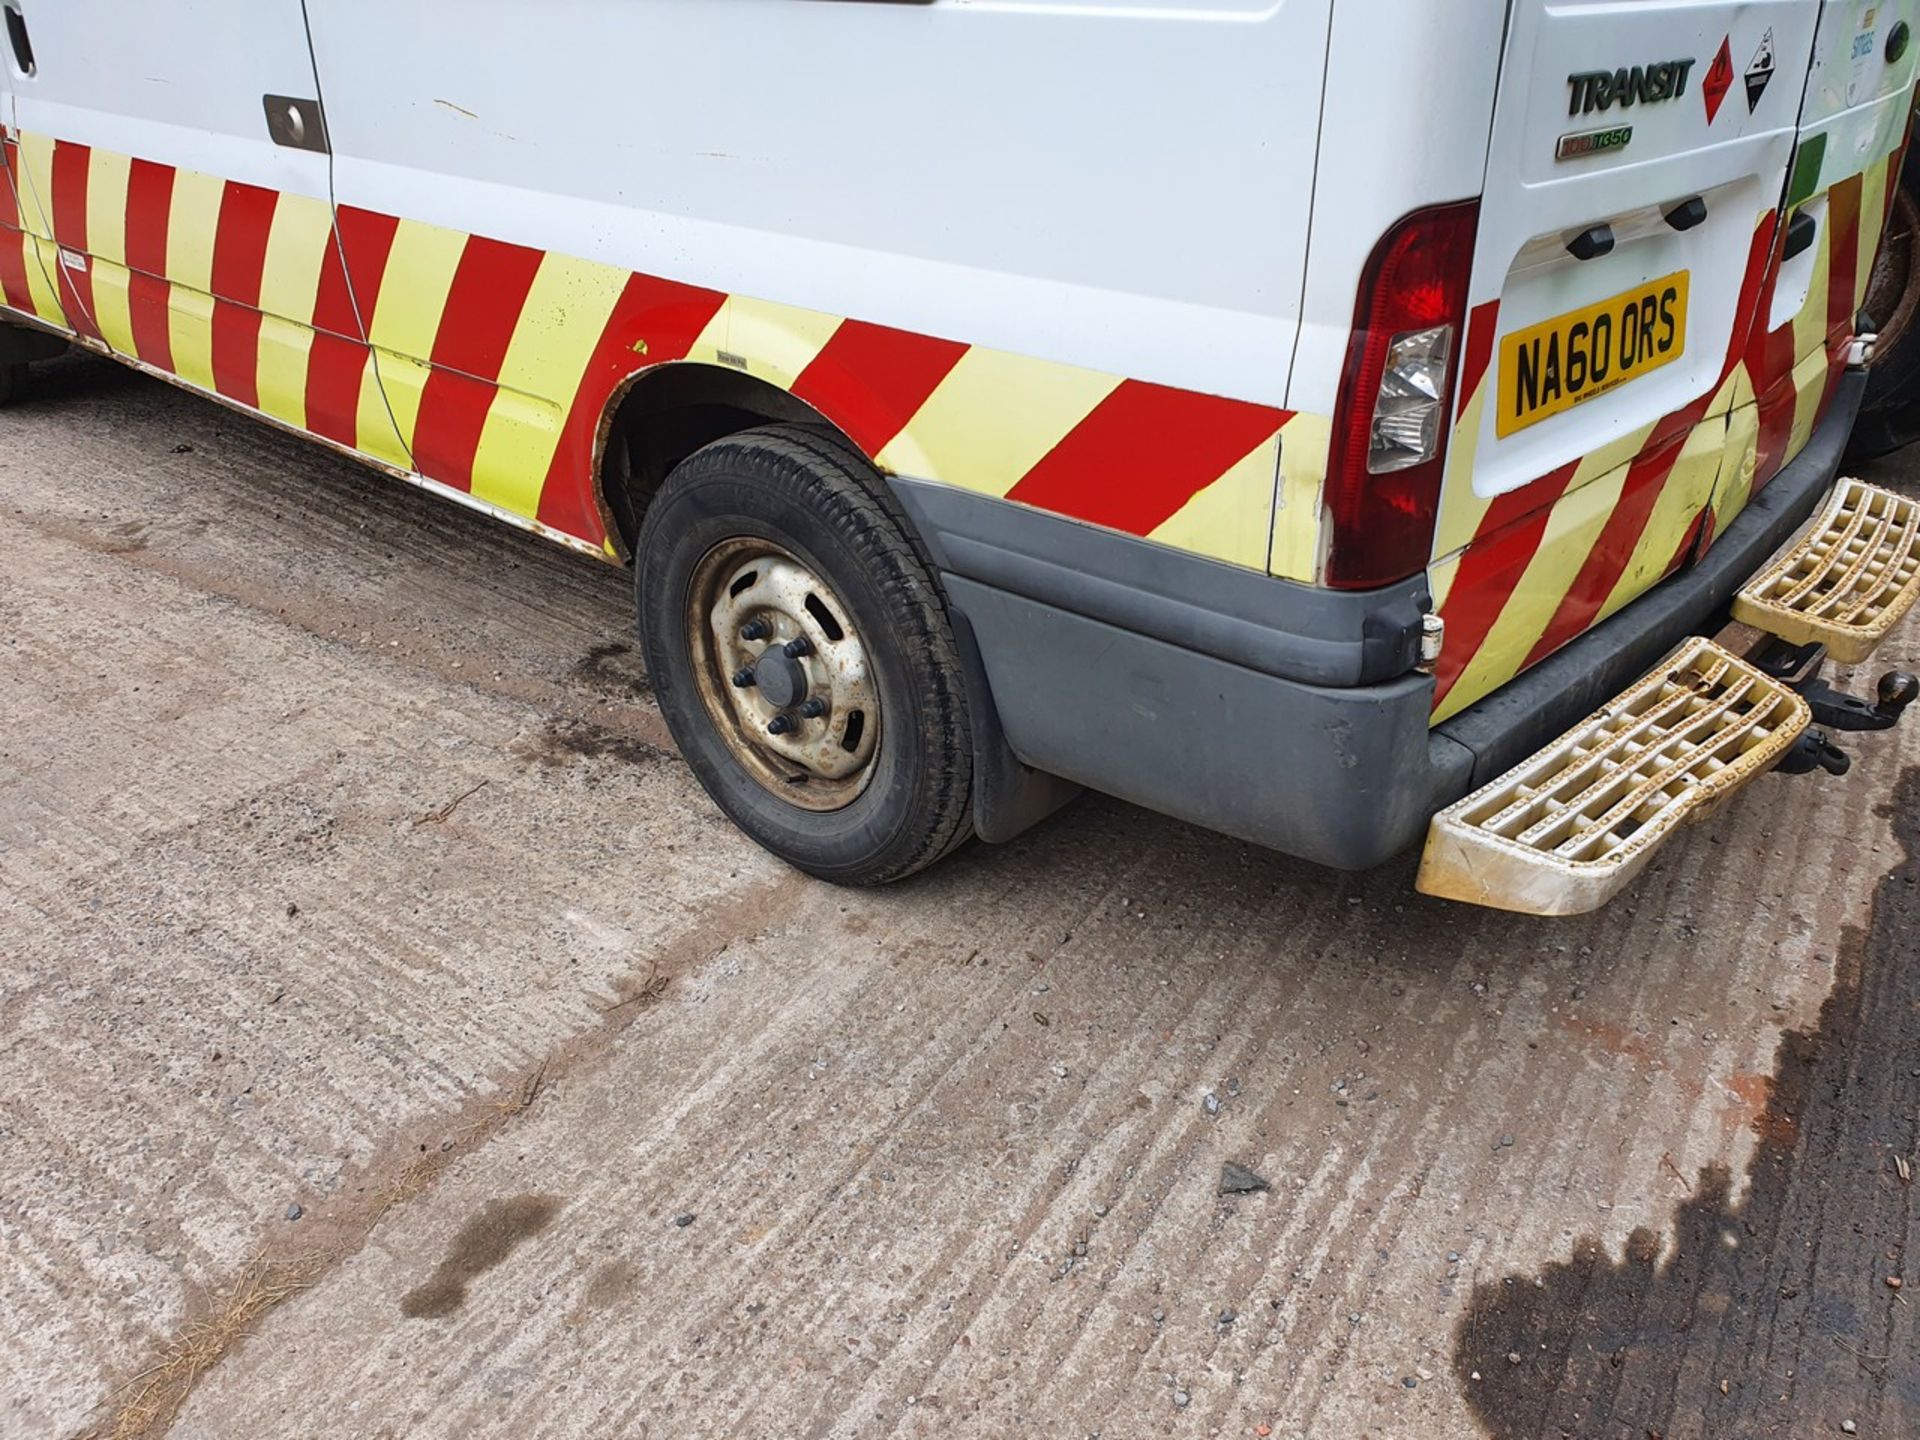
[(1576, 378), (1576, 324)]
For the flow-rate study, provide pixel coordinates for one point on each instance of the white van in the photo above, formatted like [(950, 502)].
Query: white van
[(1291, 415)]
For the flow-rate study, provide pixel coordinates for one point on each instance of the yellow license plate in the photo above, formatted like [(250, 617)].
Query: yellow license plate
[(1556, 364)]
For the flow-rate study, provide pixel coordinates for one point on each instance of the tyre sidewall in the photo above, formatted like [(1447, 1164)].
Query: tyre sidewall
[(719, 495)]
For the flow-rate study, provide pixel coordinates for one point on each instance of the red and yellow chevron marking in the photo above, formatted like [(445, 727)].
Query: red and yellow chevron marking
[(1521, 574), (488, 368), (25, 283)]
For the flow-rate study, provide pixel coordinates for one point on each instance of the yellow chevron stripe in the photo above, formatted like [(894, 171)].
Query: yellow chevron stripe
[(107, 206), (107, 244), (1231, 519), (36, 184), (1739, 463), (36, 198), (43, 261), (406, 318), (1809, 388), (1572, 527), (192, 221), (1461, 510), (710, 342), (561, 323), (1688, 489), (1873, 216), (289, 284), (1295, 549), (374, 425), (992, 419), (777, 342)]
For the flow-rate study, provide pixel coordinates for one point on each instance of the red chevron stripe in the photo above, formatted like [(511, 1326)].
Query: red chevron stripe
[(149, 215), (1481, 325), (669, 318), (1607, 560), (870, 380), (489, 290), (239, 258), (1143, 453), (1843, 253), (70, 166), (13, 244), (340, 356), (1503, 546)]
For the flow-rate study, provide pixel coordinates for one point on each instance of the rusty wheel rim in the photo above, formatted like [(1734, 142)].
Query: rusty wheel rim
[(783, 673)]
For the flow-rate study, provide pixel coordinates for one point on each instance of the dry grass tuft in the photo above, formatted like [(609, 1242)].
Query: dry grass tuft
[(144, 1408), (154, 1397)]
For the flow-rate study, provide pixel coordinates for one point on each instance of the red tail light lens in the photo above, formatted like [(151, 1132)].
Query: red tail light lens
[(1396, 398)]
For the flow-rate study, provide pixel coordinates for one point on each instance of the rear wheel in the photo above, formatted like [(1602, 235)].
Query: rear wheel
[(801, 653), (13, 381)]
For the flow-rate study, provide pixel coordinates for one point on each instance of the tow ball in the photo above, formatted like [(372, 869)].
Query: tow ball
[(1815, 750)]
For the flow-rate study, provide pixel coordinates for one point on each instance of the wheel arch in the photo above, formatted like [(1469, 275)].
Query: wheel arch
[(660, 415)]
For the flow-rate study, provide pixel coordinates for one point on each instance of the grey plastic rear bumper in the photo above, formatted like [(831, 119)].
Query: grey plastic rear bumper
[(1282, 714)]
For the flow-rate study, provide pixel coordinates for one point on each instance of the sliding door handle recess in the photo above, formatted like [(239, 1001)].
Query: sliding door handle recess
[(297, 124)]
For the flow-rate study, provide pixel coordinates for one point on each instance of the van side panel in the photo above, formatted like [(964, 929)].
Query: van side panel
[(1048, 253)]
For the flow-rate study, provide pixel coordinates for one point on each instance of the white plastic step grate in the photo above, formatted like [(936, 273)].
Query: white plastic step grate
[(1567, 829), (1848, 580)]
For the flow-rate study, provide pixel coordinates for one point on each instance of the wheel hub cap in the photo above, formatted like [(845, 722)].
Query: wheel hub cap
[(783, 673)]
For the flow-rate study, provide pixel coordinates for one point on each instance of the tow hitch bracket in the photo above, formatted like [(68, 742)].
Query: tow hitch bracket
[(1895, 691)]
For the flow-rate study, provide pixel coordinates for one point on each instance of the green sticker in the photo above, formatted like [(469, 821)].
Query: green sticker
[(1806, 169)]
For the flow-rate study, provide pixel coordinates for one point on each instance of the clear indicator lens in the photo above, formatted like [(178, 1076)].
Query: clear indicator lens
[(1408, 409)]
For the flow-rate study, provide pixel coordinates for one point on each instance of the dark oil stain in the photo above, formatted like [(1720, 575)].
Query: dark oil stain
[(1769, 1318), (611, 1284), (611, 668), (488, 1237), (565, 740)]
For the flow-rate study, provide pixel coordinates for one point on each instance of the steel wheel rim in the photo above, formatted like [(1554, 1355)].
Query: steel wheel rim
[(806, 725)]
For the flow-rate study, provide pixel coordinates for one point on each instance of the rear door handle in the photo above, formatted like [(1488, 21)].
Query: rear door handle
[(297, 124), (1800, 232), (1591, 243)]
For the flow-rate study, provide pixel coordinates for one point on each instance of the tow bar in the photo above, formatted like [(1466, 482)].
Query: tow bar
[(1800, 667)]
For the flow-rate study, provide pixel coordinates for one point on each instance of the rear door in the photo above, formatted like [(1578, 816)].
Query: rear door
[(1635, 172)]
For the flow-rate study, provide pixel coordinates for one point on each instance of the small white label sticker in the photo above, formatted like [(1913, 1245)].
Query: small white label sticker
[(73, 260)]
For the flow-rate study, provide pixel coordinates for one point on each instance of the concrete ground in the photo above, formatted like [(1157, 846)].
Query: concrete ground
[(395, 1042)]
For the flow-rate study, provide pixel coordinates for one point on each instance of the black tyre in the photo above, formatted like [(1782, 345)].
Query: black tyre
[(1890, 410), (800, 650), (13, 381)]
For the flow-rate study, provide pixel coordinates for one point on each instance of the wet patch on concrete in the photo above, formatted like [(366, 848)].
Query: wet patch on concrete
[(615, 669), (489, 1237), (1783, 1314), (562, 741)]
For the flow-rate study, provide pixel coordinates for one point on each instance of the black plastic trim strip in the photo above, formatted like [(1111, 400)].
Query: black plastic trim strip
[(1277, 627)]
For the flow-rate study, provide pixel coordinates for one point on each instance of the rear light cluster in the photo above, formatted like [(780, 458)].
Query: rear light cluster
[(1396, 398)]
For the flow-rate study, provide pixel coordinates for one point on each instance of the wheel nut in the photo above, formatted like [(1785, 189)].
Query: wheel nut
[(755, 629), (743, 677), (797, 649), (814, 708), (780, 725)]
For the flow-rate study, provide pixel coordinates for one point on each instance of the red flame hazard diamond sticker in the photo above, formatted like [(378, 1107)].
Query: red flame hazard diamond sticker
[(1719, 80)]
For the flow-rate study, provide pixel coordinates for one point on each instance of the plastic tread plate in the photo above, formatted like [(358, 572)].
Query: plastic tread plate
[(1847, 580), (1569, 828)]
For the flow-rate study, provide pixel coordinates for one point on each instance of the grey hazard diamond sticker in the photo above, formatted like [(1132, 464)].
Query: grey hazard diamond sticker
[(1760, 71)]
